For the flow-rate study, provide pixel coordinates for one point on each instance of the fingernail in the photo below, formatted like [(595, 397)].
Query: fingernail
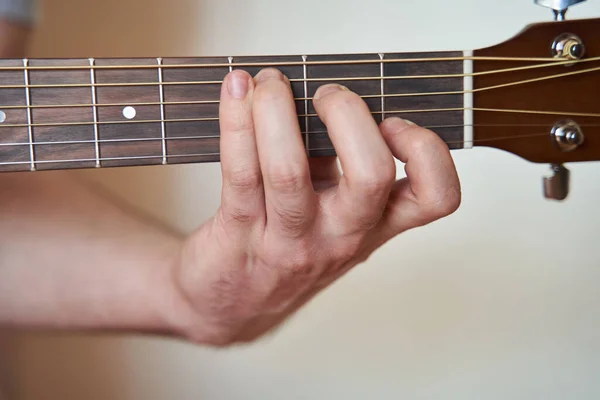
[(409, 122), (238, 85), (328, 89), (269, 74)]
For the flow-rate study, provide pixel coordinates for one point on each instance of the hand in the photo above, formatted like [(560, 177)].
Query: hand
[(288, 226)]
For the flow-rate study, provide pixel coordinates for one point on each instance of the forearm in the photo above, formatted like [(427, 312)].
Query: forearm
[(71, 259)]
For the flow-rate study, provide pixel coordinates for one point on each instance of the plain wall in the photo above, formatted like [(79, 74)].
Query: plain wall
[(500, 300)]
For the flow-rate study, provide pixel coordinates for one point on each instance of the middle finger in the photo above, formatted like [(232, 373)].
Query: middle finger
[(290, 196)]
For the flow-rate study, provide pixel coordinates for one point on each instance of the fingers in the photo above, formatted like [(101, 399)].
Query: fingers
[(290, 196), (432, 188), (368, 165), (243, 199)]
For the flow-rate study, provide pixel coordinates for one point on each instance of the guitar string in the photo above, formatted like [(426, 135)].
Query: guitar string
[(329, 148), (388, 95), (214, 119), (310, 133), (300, 80), (216, 154), (274, 64), (332, 79)]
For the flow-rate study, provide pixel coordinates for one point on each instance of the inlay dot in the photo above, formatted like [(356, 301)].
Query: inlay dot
[(129, 112), (2, 116)]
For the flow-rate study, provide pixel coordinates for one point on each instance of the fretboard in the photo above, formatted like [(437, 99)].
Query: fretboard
[(89, 113)]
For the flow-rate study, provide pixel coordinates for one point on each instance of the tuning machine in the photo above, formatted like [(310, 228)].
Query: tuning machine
[(565, 135), (559, 7)]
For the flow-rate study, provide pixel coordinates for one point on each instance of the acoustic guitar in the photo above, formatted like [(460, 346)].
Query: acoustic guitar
[(536, 95)]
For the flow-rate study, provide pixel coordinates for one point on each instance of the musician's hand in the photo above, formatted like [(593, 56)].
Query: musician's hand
[(288, 227)]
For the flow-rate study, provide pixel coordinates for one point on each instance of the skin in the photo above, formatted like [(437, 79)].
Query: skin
[(287, 227)]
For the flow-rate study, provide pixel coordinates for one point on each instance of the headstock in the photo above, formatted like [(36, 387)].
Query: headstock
[(545, 111)]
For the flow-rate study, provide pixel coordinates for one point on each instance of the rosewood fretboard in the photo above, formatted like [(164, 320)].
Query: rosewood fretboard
[(86, 113)]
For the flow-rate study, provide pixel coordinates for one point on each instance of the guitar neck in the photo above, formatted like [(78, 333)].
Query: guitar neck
[(90, 113)]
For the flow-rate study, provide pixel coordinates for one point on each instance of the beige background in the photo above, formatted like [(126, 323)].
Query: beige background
[(499, 301)]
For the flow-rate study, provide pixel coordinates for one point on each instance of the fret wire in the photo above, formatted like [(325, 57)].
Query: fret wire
[(293, 63), (382, 73), (468, 103), (95, 112), (29, 118), (306, 117), (162, 111), (230, 64)]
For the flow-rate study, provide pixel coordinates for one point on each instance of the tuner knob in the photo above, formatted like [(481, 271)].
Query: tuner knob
[(556, 187), (559, 7)]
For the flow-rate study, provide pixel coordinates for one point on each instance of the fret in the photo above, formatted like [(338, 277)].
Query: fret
[(382, 74), (162, 111), (186, 150), (294, 71), (95, 112), (29, 119), (447, 124), (230, 64), (468, 100), (14, 141), (118, 123), (306, 124), (363, 87), (49, 152)]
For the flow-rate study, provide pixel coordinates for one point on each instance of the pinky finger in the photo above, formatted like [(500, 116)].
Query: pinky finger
[(431, 190)]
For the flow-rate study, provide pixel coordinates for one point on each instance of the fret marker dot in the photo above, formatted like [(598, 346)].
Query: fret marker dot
[(2, 116), (129, 112)]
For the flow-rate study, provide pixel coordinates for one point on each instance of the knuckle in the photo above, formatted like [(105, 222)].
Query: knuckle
[(289, 180), (373, 185), (242, 215), (293, 220), (300, 262), (367, 222), (442, 204), (244, 181)]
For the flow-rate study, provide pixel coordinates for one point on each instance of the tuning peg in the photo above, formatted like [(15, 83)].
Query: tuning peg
[(559, 7), (556, 187)]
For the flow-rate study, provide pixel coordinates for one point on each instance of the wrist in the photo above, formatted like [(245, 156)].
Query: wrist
[(186, 297)]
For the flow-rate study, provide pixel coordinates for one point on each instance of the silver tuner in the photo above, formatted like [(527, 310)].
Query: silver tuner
[(556, 187), (559, 7)]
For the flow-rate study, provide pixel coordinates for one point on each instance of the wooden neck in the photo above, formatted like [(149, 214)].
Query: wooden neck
[(86, 113)]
